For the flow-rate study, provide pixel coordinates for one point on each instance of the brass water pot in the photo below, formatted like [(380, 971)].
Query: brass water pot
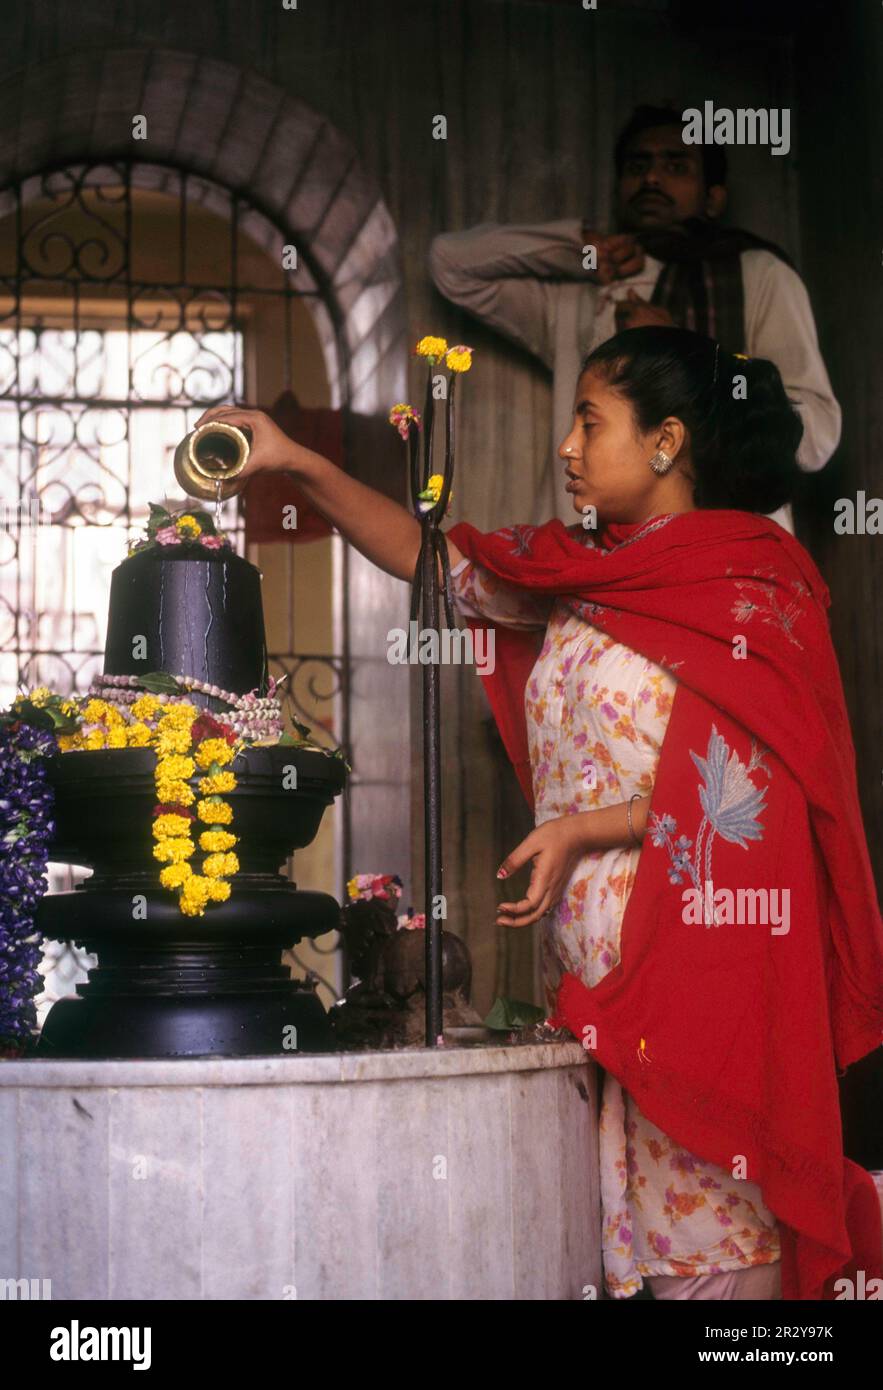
[(210, 458)]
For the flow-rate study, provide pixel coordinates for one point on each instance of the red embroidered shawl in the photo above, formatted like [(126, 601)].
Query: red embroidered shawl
[(742, 1028)]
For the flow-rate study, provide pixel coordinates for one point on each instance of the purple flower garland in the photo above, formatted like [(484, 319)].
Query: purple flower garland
[(26, 827)]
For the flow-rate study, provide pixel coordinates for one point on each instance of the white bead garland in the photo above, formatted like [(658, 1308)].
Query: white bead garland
[(251, 716)]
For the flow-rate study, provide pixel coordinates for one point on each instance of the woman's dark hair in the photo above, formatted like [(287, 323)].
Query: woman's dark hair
[(744, 432)]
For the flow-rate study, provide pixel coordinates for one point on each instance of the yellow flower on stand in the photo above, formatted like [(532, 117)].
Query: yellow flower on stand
[(218, 890), (116, 738), (433, 490), (92, 742), (214, 812), (459, 358), (431, 348), (39, 696), (188, 527)]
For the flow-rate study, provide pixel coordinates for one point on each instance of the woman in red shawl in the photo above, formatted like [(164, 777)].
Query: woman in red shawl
[(709, 914)]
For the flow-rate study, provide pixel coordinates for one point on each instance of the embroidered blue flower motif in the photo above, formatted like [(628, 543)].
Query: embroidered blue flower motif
[(730, 800), (731, 804)]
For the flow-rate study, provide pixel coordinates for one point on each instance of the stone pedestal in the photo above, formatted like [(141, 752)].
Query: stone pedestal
[(461, 1173)]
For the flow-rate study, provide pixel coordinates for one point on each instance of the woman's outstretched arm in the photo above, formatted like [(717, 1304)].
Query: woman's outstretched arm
[(382, 530)]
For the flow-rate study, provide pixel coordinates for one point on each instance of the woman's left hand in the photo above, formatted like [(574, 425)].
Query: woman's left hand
[(555, 846)]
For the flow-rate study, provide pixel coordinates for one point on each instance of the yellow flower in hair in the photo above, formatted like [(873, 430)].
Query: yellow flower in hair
[(214, 750)]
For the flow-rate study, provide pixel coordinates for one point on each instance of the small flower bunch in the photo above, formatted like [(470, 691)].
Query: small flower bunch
[(412, 921), (186, 741), (403, 416), (364, 887), (165, 528)]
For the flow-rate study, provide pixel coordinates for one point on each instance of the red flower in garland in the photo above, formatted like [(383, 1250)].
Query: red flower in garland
[(207, 727), (173, 808)]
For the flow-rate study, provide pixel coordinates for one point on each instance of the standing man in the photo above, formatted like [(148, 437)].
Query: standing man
[(670, 262)]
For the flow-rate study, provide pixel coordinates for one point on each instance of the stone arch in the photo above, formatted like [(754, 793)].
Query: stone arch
[(230, 125)]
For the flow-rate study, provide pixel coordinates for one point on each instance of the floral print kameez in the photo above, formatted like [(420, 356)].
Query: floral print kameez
[(597, 713)]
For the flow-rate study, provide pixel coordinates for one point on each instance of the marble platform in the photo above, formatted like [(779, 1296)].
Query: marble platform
[(458, 1173)]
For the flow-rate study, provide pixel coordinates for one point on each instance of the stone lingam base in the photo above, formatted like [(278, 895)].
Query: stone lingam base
[(448, 1173), (167, 985)]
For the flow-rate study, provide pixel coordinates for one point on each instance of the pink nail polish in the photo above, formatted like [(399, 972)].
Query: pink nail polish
[(501, 873)]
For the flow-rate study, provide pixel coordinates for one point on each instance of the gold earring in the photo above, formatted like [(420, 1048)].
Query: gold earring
[(661, 462)]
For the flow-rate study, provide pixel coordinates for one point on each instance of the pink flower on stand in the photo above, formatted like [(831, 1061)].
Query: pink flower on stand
[(416, 922), (167, 535), (210, 542)]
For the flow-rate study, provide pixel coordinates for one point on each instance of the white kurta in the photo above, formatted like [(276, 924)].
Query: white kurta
[(506, 276), (596, 718)]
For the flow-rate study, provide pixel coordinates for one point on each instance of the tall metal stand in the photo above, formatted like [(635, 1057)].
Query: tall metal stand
[(425, 604)]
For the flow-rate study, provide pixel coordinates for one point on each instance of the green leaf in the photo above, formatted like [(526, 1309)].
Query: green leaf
[(204, 521), (513, 1013), (158, 683), (158, 518)]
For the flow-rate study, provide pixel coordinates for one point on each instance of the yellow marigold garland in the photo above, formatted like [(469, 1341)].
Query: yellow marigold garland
[(187, 743)]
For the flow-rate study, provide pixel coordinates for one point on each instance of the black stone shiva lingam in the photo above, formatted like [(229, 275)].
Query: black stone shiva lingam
[(168, 985)]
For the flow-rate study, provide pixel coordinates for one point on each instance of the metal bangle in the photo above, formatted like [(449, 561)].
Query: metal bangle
[(628, 812)]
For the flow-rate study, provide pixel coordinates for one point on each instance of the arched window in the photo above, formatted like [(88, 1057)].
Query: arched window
[(132, 297)]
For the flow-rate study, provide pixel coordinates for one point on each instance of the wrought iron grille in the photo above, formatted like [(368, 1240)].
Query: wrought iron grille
[(111, 346)]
